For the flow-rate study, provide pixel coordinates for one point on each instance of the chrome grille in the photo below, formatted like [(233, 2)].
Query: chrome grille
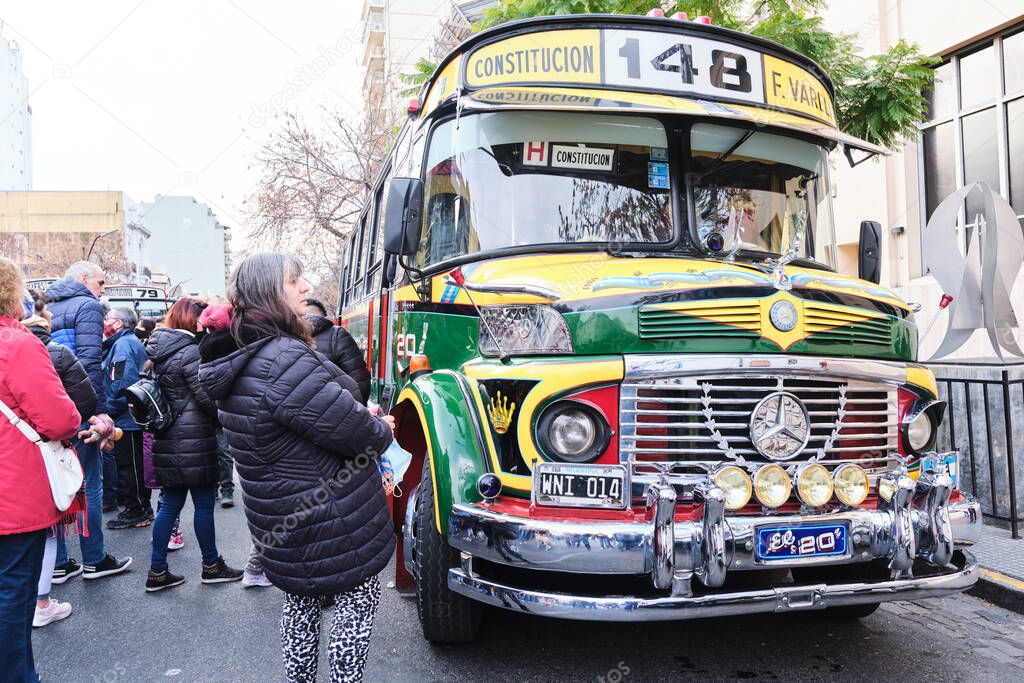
[(705, 419)]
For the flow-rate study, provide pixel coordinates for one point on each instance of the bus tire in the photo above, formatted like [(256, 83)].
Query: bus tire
[(446, 616)]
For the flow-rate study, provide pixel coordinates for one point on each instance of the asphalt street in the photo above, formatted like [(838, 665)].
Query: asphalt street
[(119, 633)]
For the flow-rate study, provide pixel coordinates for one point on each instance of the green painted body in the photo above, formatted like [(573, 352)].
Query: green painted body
[(448, 336), (617, 330), (452, 426)]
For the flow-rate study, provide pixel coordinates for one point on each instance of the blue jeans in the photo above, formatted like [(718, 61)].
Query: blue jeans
[(21, 559), (110, 496), (171, 502), (92, 546)]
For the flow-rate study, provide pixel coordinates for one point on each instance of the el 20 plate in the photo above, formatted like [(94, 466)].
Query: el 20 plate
[(591, 486), (789, 543)]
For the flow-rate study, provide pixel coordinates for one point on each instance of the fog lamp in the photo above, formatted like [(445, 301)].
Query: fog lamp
[(735, 486), (772, 486), (886, 488), (488, 485), (852, 484), (814, 485)]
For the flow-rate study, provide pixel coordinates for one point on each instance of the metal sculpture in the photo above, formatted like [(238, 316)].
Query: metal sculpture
[(977, 286)]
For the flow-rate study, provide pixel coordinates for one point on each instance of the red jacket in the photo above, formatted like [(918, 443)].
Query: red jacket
[(31, 388)]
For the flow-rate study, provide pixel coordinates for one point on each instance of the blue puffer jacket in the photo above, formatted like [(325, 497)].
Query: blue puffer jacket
[(123, 358), (78, 325)]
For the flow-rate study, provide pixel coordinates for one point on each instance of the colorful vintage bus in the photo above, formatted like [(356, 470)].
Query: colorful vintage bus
[(595, 284)]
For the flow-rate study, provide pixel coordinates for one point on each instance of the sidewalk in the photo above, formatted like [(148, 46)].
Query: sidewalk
[(1002, 568)]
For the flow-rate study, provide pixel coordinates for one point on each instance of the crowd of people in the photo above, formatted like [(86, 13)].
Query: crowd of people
[(263, 384)]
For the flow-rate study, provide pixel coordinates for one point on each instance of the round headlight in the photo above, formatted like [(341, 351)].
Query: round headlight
[(572, 431), (919, 432), (772, 486), (814, 485), (852, 484), (735, 485)]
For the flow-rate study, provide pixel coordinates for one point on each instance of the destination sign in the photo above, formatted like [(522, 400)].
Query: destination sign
[(650, 60)]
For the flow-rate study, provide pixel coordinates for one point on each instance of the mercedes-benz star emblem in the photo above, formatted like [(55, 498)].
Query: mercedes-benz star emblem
[(779, 426)]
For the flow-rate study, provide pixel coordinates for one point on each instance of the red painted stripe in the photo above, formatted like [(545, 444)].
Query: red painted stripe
[(381, 360), (369, 338)]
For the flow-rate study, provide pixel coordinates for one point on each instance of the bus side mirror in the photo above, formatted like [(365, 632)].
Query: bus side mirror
[(868, 256), (402, 218)]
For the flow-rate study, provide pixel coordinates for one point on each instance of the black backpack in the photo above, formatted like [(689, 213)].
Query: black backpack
[(149, 407)]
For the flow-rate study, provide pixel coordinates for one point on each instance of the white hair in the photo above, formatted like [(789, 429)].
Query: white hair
[(125, 315), (81, 268)]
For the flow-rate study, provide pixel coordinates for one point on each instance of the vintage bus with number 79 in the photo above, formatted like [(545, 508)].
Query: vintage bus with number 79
[(595, 284)]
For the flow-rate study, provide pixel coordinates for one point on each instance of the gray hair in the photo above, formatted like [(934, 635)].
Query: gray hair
[(258, 281), (79, 269), (125, 315), (256, 293)]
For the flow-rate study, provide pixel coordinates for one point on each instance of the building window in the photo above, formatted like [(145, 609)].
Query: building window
[(976, 128)]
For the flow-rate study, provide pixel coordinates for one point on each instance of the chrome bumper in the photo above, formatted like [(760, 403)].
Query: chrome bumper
[(918, 522), (782, 599)]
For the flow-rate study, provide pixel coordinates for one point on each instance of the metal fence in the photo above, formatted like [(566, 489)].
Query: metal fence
[(985, 407)]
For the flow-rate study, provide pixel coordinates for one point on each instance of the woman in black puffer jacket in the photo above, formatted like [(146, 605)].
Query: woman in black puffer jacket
[(306, 453), (185, 454)]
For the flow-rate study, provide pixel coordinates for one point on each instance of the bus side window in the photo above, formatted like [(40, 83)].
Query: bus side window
[(346, 272), (357, 259), (375, 237)]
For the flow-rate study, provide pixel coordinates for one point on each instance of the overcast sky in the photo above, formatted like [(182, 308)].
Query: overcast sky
[(159, 97)]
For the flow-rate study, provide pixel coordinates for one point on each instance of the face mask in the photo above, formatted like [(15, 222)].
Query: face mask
[(141, 334), (109, 330)]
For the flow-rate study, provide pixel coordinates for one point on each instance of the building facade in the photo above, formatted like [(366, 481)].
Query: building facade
[(188, 244), (396, 33), (44, 232), (976, 133), (15, 121)]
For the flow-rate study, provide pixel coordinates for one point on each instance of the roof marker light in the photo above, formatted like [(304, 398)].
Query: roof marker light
[(414, 105), (703, 20), (681, 16), (656, 12)]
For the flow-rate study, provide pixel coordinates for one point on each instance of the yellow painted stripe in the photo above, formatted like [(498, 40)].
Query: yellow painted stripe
[(409, 395), (924, 378), (1001, 579)]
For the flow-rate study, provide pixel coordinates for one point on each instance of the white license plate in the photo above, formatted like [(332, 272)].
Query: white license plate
[(589, 486)]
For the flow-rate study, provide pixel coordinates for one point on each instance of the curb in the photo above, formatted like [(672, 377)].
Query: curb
[(999, 589)]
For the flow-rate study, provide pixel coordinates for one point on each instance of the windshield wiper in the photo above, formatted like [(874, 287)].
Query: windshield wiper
[(720, 159)]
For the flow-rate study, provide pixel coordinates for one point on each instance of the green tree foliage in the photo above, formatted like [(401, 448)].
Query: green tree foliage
[(879, 98), (424, 68)]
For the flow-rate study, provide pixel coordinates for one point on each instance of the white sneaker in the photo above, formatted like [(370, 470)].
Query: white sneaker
[(177, 541), (250, 580), (55, 611)]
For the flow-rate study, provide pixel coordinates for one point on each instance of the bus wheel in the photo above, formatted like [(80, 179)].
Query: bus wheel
[(446, 617)]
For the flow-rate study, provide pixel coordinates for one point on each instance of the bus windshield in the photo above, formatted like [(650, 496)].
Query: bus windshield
[(759, 192), (507, 179)]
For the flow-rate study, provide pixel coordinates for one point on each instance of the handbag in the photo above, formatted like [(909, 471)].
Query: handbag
[(62, 466)]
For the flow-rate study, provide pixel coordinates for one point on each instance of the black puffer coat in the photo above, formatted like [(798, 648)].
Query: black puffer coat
[(306, 453), (70, 370), (185, 454), (341, 349)]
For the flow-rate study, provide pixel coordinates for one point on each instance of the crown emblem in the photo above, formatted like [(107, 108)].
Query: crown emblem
[(500, 412)]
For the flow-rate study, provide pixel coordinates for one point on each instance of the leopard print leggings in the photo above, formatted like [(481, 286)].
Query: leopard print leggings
[(350, 634)]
